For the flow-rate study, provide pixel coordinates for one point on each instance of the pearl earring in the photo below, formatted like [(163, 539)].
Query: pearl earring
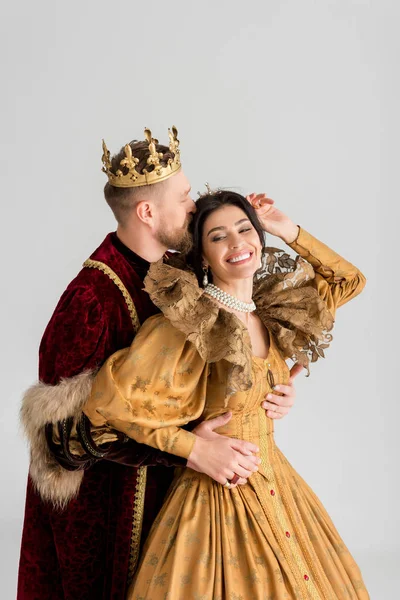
[(205, 277)]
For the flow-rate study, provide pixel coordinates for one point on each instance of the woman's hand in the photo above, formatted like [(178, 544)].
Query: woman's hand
[(272, 219), (278, 406)]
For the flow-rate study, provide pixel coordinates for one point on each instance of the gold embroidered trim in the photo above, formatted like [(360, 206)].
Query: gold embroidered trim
[(138, 512), (310, 557), (96, 264), (141, 477), (278, 521)]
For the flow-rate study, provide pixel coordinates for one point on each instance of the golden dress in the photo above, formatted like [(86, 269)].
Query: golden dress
[(270, 539)]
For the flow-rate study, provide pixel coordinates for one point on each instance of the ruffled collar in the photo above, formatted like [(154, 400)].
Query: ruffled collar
[(286, 301)]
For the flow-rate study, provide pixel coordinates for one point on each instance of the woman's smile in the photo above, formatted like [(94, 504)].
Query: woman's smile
[(240, 258)]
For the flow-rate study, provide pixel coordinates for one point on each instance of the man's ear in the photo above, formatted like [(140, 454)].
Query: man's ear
[(145, 212)]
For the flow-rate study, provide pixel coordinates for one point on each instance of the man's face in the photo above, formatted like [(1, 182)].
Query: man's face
[(174, 213)]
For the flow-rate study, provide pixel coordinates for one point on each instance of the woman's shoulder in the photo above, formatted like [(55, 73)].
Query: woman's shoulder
[(158, 342), (214, 333), (159, 326)]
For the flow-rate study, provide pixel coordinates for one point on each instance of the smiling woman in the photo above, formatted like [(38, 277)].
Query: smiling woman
[(228, 241), (207, 353), (226, 226)]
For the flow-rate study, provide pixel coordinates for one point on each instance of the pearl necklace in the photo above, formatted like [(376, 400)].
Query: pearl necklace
[(228, 300)]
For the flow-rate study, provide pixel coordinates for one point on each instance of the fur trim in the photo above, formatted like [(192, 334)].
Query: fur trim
[(42, 404)]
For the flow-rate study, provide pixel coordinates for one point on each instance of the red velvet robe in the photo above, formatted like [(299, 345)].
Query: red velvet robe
[(83, 552)]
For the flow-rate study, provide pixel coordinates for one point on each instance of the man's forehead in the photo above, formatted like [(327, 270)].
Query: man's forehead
[(181, 182)]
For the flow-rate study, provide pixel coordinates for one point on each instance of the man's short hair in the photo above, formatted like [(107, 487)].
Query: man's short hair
[(123, 200)]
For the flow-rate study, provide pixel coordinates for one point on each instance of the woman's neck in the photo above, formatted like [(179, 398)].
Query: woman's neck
[(242, 289)]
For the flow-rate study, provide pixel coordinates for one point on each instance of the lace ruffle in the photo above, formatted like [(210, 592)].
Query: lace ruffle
[(286, 301), (217, 334), (289, 306)]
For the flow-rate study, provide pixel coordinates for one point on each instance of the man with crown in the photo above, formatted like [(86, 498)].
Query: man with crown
[(91, 497)]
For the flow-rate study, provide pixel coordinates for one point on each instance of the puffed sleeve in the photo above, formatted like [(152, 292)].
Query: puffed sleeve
[(337, 280), (150, 390)]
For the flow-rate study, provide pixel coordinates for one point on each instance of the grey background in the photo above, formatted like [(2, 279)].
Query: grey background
[(297, 99)]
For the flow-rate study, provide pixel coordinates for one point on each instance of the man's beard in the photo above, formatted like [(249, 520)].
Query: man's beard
[(179, 240)]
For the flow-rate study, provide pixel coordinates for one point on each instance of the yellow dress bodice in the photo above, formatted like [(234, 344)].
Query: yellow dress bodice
[(249, 421)]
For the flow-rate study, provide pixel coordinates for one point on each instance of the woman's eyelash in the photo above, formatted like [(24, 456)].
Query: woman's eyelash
[(222, 237)]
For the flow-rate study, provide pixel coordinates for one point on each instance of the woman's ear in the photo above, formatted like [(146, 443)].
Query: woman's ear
[(204, 262)]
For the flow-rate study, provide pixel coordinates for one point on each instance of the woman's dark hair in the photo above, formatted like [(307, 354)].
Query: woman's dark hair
[(207, 204)]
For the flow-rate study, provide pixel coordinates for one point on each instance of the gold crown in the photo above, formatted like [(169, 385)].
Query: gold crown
[(129, 176)]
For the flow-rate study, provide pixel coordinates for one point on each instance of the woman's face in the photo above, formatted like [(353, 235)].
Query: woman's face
[(231, 246)]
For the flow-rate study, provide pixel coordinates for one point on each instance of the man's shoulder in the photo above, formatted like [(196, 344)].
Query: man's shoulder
[(96, 276), (90, 279), (93, 286), (90, 303), (107, 286)]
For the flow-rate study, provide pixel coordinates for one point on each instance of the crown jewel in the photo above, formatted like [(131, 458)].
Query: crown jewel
[(128, 176)]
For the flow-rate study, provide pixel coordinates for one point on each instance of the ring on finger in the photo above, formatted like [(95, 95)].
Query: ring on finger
[(234, 479), (227, 484)]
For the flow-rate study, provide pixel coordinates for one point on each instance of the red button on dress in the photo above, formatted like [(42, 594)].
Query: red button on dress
[(272, 492), (287, 534), (306, 577)]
